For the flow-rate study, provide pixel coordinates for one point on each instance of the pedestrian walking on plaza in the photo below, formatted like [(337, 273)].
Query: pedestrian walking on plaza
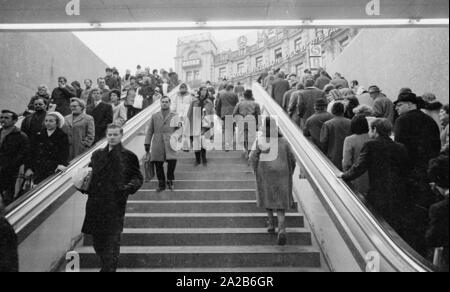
[(333, 135), (314, 124), (352, 149), (9, 258), (383, 107), (14, 152), (50, 150), (306, 100), (80, 128), (160, 144), (279, 88), (115, 175), (62, 95), (274, 180), (386, 163), (102, 113), (201, 121)]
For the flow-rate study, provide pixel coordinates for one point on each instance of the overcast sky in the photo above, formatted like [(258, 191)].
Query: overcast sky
[(156, 49)]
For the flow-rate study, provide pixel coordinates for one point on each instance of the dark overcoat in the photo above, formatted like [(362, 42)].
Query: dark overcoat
[(61, 98), (9, 259), (115, 175), (386, 163), (47, 153), (103, 116)]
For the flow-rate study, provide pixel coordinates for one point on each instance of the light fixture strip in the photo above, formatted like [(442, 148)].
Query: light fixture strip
[(227, 24)]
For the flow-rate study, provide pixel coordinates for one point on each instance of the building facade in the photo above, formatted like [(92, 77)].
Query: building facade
[(200, 58)]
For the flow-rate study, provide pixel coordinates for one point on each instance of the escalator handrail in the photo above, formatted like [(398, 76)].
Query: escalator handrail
[(40, 198), (341, 200)]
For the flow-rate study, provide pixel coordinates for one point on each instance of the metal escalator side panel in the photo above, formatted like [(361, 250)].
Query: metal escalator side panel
[(357, 225)]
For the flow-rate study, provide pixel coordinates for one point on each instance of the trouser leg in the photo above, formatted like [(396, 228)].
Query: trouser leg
[(203, 155), (172, 164), (160, 174), (107, 247), (7, 189), (198, 158)]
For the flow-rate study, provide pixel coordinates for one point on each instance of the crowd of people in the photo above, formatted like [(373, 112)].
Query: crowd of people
[(390, 151), (62, 125)]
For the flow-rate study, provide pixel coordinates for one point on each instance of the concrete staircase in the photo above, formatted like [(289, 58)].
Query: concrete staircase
[(210, 223)]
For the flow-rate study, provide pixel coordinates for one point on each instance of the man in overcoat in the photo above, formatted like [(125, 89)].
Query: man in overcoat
[(160, 139), (115, 175)]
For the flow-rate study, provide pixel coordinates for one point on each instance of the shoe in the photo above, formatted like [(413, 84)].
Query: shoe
[(282, 238), (160, 189), (205, 164), (170, 185), (271, 230)]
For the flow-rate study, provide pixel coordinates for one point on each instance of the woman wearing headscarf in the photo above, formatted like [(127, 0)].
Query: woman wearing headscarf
[(80, 128), (201, 120), (50, 150)]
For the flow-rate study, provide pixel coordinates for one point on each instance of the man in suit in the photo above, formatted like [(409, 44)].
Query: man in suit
[(102, 114), (386, 162), (279, 88), (115, 175), (159, 139), (314, 124), (306, 100)]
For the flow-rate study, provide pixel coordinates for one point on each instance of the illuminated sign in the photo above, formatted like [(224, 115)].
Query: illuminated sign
[(192, 63)]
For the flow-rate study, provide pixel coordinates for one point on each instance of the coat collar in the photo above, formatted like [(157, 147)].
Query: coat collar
[(119, 148), (161, 116)]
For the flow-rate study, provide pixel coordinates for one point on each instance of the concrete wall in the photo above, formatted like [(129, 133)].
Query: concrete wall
[(30, 59), (395, 58)]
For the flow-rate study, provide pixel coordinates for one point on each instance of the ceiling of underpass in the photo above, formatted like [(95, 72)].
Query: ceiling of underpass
[(101, 11)]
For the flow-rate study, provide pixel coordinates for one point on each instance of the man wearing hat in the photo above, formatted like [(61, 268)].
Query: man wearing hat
[(420, 134), (383, 106), (315, 123)]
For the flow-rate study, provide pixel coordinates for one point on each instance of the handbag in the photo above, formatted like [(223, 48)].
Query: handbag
[(138, 101), (82, 180), (149, 167)]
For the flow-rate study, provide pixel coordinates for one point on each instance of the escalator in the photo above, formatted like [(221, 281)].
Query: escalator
[(211, 223)]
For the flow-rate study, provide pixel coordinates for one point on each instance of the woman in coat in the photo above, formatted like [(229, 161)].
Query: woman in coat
[(201, 120), (119, 109), (80, 128), (352, 149), (274, 180), (50, 150)]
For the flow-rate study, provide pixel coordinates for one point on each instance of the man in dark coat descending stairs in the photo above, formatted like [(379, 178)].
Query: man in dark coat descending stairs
[(115, 175)]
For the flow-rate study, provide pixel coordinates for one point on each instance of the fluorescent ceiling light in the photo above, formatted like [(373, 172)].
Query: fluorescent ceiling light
[(227, 24)]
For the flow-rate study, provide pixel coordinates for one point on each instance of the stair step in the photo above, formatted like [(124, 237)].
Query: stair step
[(212, 160), (215, 175), (209, 257), (195, 207), (208, 237), (189, 195), (214, 155), (230, 167), (208, 184), (193, 220)]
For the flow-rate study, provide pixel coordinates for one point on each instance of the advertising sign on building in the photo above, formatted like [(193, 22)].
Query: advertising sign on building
[(192, 63), (315, 51), (315, 62)]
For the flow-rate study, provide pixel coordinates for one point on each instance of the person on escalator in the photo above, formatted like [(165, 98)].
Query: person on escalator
[(102, 113), (158, 143), (9, 259), (49, 151), (115, 176)]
